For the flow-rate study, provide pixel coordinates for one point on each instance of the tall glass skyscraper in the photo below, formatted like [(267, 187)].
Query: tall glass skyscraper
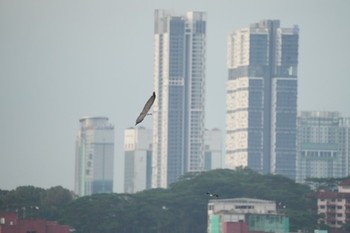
[(261, 99), (94, 156), (179, 83), (138, 159)]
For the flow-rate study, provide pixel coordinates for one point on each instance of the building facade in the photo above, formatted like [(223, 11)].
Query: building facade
[(323, 145), (10, 223), (261, 102), (179, 83), (333, 207), (245, 215), (213, 149), (94, 156), (138, 159)]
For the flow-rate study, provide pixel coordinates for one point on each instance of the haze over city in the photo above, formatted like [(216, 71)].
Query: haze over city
[(62, 60)]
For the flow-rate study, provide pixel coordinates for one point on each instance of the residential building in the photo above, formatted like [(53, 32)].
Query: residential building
[(10, 223), (94, 156), (138, 159), (245, 215), (333, 207), (213, 149), (261, 102), (323, 145), (179, 83)]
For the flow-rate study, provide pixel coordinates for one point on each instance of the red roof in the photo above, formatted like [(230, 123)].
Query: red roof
[(329, 195), (345, 183)]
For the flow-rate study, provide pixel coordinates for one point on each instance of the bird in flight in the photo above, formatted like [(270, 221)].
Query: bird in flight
[(146, 108), (212, 194)]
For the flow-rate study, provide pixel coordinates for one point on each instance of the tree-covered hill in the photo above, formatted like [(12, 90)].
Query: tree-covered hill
[(33, 202), (180, 208)]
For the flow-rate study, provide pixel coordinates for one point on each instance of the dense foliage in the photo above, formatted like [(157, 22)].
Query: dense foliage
[(33, 202), (180, 208)]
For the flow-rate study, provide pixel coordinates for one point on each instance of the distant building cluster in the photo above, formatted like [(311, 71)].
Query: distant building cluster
[(264, 130)]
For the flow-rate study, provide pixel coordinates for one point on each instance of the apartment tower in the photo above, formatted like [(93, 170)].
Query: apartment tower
[(261, 102), (323, 145), (179, 83)]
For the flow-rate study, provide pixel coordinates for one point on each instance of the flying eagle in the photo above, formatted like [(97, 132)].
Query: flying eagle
[(146, 108), (212, 194)]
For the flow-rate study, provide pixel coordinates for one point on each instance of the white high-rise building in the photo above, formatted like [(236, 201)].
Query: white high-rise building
[(179, 83), (261, 102), (323, 145), (213, 149), (138, 159), (94, 156)]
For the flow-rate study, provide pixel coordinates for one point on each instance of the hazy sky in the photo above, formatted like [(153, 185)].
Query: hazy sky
[(61, 60)]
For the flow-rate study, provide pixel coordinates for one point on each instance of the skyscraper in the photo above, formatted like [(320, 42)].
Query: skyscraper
[(323, 145), (138, 159), (261, 99), (94, 156), (179, 83), (213, 149)]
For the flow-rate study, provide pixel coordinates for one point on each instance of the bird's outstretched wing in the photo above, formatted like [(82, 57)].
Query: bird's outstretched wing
[(146, 108), (212, 194)]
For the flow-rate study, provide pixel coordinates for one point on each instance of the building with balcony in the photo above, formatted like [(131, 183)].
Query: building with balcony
[(333, 207)]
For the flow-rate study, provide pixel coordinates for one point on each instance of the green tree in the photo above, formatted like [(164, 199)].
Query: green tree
[(52, 200)]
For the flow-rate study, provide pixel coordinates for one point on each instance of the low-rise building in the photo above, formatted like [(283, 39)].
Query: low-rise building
[(333, 207), (245, 215), (10, 223)]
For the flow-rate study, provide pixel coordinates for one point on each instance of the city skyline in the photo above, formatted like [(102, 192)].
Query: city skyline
[(61, 61)]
